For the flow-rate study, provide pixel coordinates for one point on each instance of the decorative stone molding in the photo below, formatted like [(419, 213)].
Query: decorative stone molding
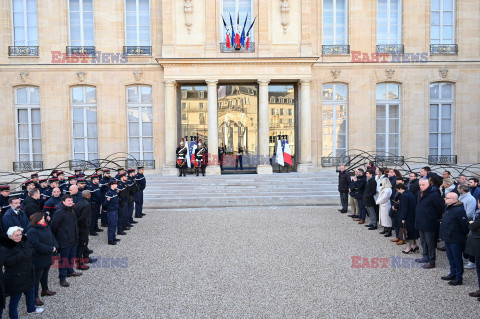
[(443, 72), (389, 73), (284, 12), (263, 81), (81, 76), (335, 73), (137, 75), (188, 8), (24, 76)]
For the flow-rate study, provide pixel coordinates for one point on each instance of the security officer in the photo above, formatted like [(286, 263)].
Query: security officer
[(44, 191), (98, 171), (141, 183), (4, 195), (30, 184), (78, 172), (104, 189), (51, 204), (61, 179), (81, 183), (200, 158), (123, 196), (111, 205), (34, 178), (133, 189), (120, 170), (181, 162), (72, 180), (96, 201)]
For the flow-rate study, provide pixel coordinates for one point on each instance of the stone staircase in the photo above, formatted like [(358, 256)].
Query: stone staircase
[(287, 189)]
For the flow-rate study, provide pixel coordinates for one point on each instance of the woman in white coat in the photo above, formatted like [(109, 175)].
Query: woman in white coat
[(383, 201)]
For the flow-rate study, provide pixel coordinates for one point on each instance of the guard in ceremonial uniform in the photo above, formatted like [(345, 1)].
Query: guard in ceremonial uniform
[(34, 178), (120, 170), (122, 212), (51, 204), (111, 206), (78, 172), (72, 180), (44, 191), (200, 158), (133, 189), (30, 184), (81, 183), (4, 195), (98, 171), (141, 183), (61, 179), (96, 201), (181, 161), (104, 189)]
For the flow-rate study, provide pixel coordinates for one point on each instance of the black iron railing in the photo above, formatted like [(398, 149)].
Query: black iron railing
[(335, 161), (81, 50), (23, 50), (137, 50), (335, 49), (443, 48), (390, 48), (27, 166), (442, 159)]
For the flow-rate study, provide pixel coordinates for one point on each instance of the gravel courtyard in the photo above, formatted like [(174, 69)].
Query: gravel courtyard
[(289, 262)]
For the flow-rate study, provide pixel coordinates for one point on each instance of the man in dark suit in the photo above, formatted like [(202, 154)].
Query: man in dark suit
[(412, 184), (343, 184), (368, 199)]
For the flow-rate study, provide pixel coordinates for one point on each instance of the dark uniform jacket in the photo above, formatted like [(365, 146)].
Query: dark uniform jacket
[(4, 204), (123, 193), (51, 205), (42, 240), (112, 201), (17, 258), (64, 226), (11, 219), (430, 208), (472, 246), (358, 187), (343, 181), (454, 225), (96, 194), (141, 181), (414, 187)]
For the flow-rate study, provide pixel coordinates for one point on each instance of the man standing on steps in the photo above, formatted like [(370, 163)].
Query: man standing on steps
[(343, 185), (200, 158)]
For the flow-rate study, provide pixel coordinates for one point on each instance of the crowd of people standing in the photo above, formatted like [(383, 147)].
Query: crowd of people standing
[(428, 207), (51, 222)]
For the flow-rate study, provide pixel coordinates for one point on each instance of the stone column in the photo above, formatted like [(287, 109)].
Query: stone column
[(305, 123), (170, 129), (263, 166), (213, 167)]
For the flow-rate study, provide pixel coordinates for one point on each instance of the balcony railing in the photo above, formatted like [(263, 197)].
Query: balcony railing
[(335, 161), (132, 163), (443, 48), (81, 50), (442, 159), (137, 50), (390, 48), (82, 164), (389, 160), (224, 49), (27, 166), (23, 50), (335, 49)]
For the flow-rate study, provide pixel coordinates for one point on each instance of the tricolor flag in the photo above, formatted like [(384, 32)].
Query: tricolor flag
[(279, 158), (191, 153), (287, 154)]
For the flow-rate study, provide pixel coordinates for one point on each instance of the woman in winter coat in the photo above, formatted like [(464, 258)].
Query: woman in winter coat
[(383, 201), (19, 275), (44, 244), (472, 246), (406, 215)]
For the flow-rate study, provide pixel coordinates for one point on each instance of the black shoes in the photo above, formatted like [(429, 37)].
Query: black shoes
[(112, 242), (92, 233), (384, 231), (121, 233), (388, 234), (117, 239), (98, 230), (134, 222), (455, 282), (449, 277), (369, 225), (353, 216), (372, 228)]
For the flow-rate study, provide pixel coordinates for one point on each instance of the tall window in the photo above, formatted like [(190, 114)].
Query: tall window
[(25, 31), (81, 23), (137, 22), (140, 122), (335, 22), (441, 119), (29, 130), (334, 120), (84, 123), (389, 22), (237, 9), (442, 20), (388, 119)]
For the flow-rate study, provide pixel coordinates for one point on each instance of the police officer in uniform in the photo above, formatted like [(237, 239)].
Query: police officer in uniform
[(30, 184), (123, 197), (120, 170), (61, 179), (111, 206), (44, 191), (104, 189), (34, 178), (133, 189), (96, 201), (4, 195), (141, 183), (181, 154), (200, 158)]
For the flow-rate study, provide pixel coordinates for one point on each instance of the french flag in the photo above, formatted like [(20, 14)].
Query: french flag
[(279, 155), (287, 154), (191, 153)]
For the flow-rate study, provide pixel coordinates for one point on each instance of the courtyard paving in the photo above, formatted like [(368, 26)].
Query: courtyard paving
[(256, 262)]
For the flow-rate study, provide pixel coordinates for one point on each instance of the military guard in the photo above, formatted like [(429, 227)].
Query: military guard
[(34, 178), (133, 189), (111, 206), (200, 158), (181, 154), (104, 189), (141, 183), (44, 191), (120, 170), (96, 200), (122, 211), (4, 195)]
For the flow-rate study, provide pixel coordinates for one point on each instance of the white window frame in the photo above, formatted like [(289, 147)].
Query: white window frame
[(441, 25), (137, 21), (25, 24), (335, 23), (440, 101), (387, 104), (82, 33), (399, 32), (140, 107), (29, 107), (335, 104), (234, 19), (84, 107)]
